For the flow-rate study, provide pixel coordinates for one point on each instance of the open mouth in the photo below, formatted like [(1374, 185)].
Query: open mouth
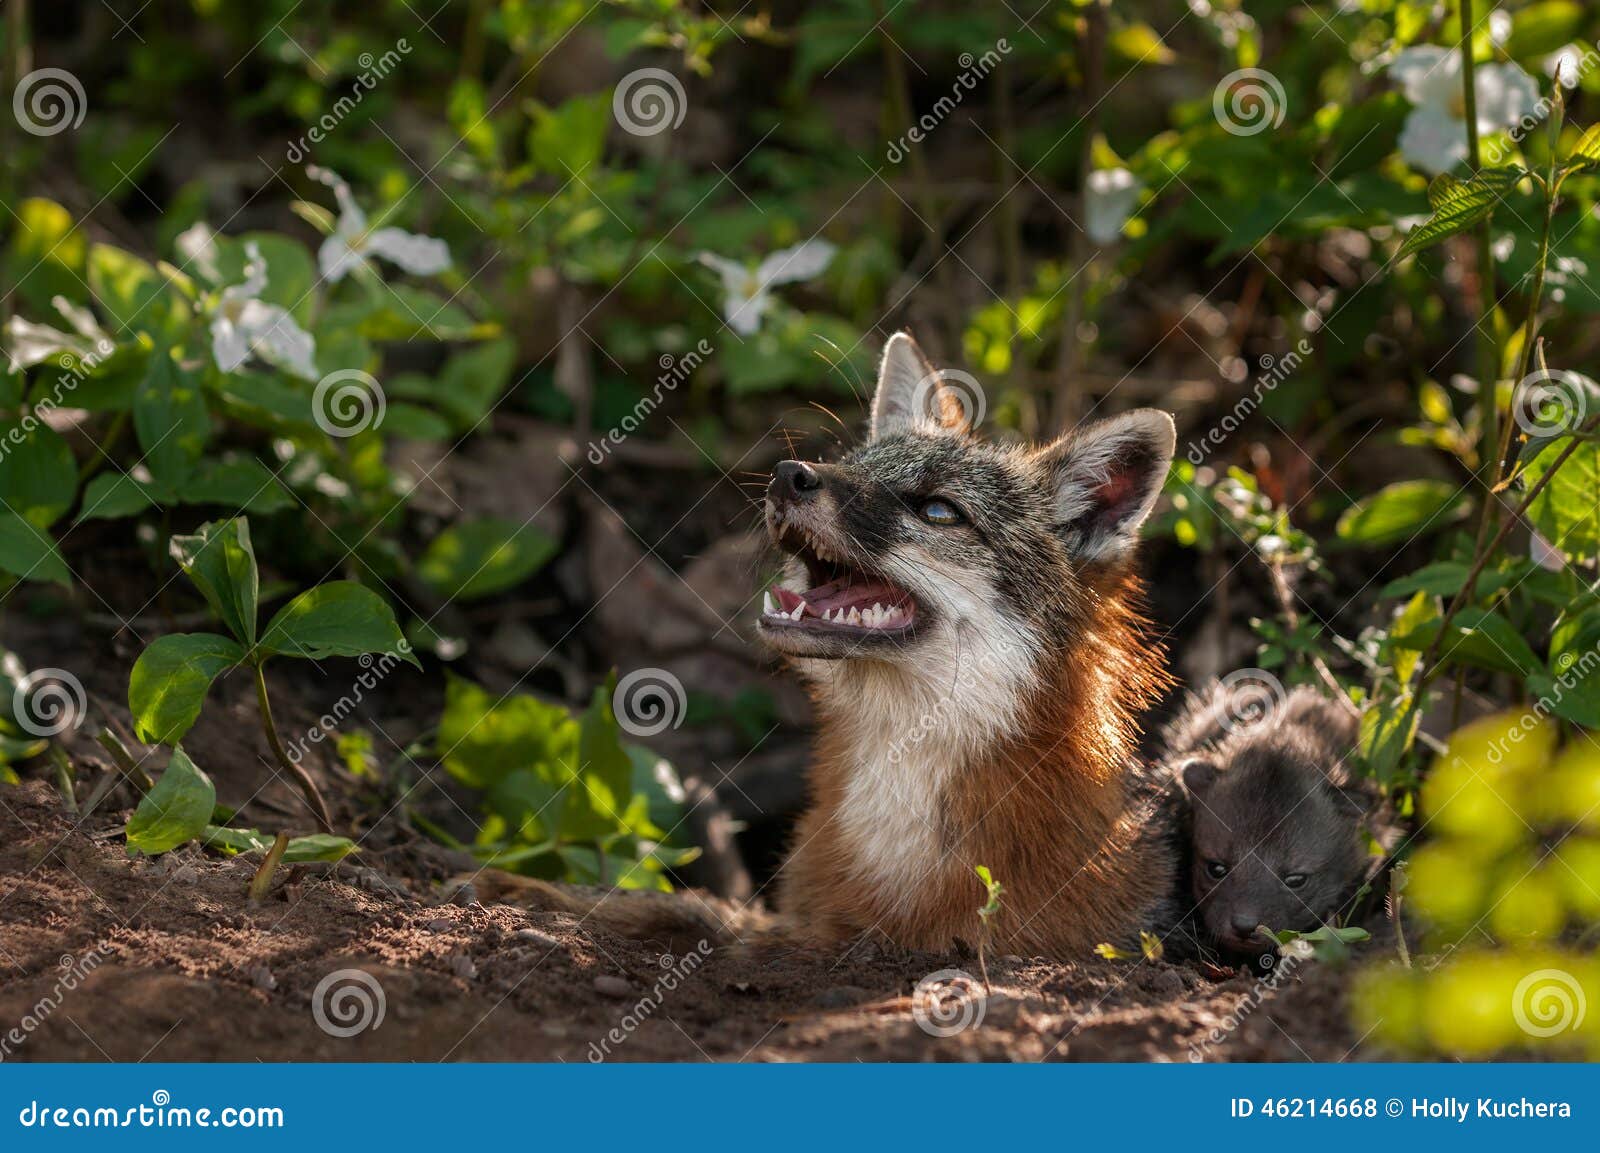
[(840, 599)]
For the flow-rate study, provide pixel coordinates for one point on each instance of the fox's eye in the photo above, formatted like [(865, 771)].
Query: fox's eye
[(1295, 880), (940, 512), (1217, 869)]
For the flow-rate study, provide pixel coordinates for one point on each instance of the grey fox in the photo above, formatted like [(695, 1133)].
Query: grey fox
[(967, 616), (1275, 826)]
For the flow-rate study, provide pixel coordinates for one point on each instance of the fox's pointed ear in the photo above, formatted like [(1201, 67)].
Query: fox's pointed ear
[(1106, 479), (912, 392)]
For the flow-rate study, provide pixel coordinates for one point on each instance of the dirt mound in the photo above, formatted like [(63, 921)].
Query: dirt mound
[(112, 957)]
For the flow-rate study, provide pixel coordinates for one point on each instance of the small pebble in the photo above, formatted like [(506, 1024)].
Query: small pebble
[(612, 986), (535, 937), (463, 967), (261, 977), (439, 925), (1167, 982)]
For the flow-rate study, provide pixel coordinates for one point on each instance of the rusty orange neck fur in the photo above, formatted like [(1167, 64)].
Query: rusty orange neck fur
[(888, 845)]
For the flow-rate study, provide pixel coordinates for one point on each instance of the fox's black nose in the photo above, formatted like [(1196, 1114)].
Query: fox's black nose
[(1244, 925), (793, 480)]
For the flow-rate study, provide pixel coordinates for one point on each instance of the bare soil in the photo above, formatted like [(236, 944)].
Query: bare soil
[(173, 963)]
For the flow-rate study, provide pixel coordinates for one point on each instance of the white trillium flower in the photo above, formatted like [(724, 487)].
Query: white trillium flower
[(1499, 27), (747, 292), (1565, 65), (1544, 554), (1108, 199), (197, 244), (1435, 135), (243, 324), (353, 244)]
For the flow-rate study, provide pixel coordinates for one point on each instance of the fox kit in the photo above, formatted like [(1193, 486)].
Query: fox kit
[(1276, 828), (967, 617)]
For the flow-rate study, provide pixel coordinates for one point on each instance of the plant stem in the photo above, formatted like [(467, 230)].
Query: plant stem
[(124, 761), (262, 881), (1489, 351), (308, 787), (1463, 597)]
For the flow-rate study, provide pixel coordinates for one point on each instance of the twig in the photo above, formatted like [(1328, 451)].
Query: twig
[(308, 787)]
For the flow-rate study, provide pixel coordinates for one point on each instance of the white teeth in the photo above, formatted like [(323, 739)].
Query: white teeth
[(855, 616), (799, 611), (768, 606)]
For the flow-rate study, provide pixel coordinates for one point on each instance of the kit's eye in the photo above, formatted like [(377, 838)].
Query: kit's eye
[(1216, 870), (1295, 880), (940, 512)]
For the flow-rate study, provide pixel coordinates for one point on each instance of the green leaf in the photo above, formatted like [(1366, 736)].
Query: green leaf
[(337, 619), (170, 681), (176, 811), (313, 847), (133, 294), (482, 557), (1567, 511), (1418, 612), (1401, 511), (483, 739), (1388, 726), (1587, 149), (219, 559), (414, 422), (604, 770), (472, 380), (1480, 637), (569, 140), (1458, 205), (38, 476), (30, 552), (170, 418), (240, 483), (113, 495)]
